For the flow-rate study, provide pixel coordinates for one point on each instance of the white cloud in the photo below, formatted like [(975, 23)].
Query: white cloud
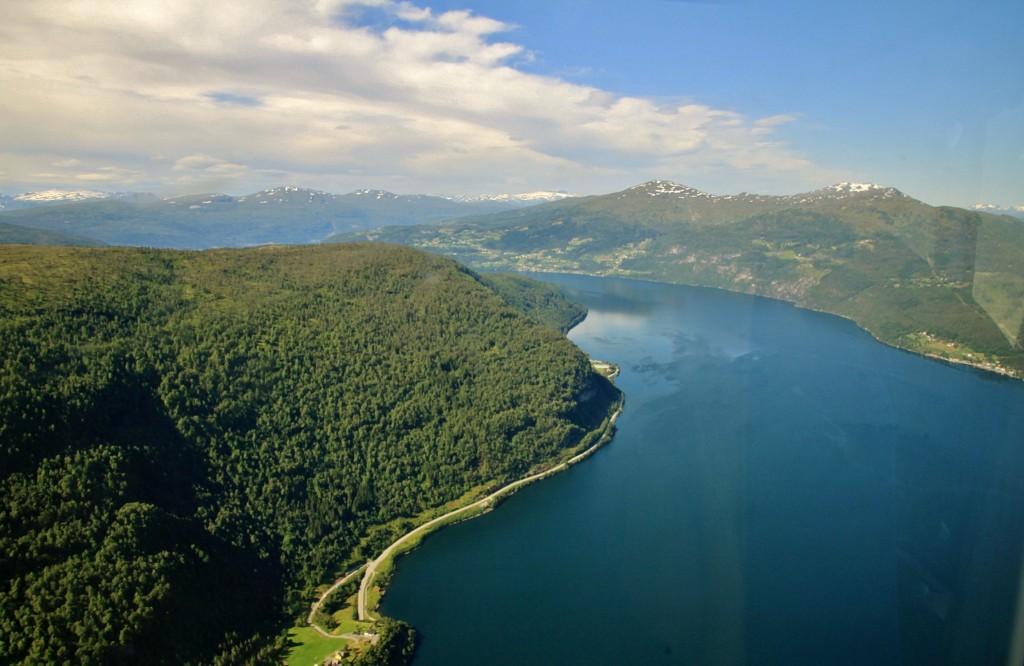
[(110, 174), (151, 89)]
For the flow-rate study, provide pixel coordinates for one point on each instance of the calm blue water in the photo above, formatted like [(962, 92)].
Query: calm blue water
[(782, 490)]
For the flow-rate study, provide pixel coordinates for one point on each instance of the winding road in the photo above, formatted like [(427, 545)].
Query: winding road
[(316, 604), (486, 502)]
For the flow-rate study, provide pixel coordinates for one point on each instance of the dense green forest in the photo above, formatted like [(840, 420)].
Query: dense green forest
[(190, 442)]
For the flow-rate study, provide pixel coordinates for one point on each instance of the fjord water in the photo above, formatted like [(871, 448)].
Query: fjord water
[(782, 490)]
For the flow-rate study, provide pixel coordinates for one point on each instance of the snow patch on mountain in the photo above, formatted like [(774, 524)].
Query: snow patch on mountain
[(526, 198), (54, 197), (1016, 211), (376, 194), (288, 194), (62, 195), (841, 191), (667, 188), (848, 189)]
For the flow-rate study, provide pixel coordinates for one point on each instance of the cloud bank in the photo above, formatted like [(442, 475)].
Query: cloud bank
[(335, 94)]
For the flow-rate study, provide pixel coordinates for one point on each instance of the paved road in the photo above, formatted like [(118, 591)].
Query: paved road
[(316, 604), (371, 568)]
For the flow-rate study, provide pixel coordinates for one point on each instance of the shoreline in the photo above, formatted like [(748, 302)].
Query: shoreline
[(999, 371), (384, 563), (484, 505)]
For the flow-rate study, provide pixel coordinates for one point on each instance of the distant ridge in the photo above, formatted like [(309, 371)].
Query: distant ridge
[(1016, 211), (526, 198), (281, 215), (56, 197), (667, 188), (12, 234)]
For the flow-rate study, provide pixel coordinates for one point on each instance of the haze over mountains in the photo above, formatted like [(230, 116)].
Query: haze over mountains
[(288, 215), (940, 280)]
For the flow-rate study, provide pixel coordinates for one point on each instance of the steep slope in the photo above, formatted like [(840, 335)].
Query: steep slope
[(191, 441), (942, 281)]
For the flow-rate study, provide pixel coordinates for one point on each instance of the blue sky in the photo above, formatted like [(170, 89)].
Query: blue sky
[(495, 96)]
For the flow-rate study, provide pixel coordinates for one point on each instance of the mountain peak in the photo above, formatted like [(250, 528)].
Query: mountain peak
[(288, 194), (291, 189), (1017, 211), (56, 196), (667, 188), (525, 198), (850, 189), (197, 200), (375, 194), (840, 191), (62, 195)]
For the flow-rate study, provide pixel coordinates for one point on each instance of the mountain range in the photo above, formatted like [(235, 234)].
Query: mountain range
[(938, 280), (56, 197), (283, 215), (1016, 211), (943, 281)]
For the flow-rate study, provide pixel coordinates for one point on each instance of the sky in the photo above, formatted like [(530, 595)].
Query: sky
[(493, 96)]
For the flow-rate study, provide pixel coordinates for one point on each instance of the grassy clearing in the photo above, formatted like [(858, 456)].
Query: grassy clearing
[(346, 618), (309, 647)]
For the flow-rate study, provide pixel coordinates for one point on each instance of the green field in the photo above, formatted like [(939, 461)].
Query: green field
[(309, 648)]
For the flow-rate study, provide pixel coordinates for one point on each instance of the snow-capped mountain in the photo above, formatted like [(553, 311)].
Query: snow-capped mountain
[(379, 195), (525, 199), (667, 189), (1016, 211), (289, 194), (56, 197), (61, 196), (841, 191), (286, 214)]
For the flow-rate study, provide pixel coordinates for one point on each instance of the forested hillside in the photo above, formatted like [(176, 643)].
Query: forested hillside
[(191, 441)]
